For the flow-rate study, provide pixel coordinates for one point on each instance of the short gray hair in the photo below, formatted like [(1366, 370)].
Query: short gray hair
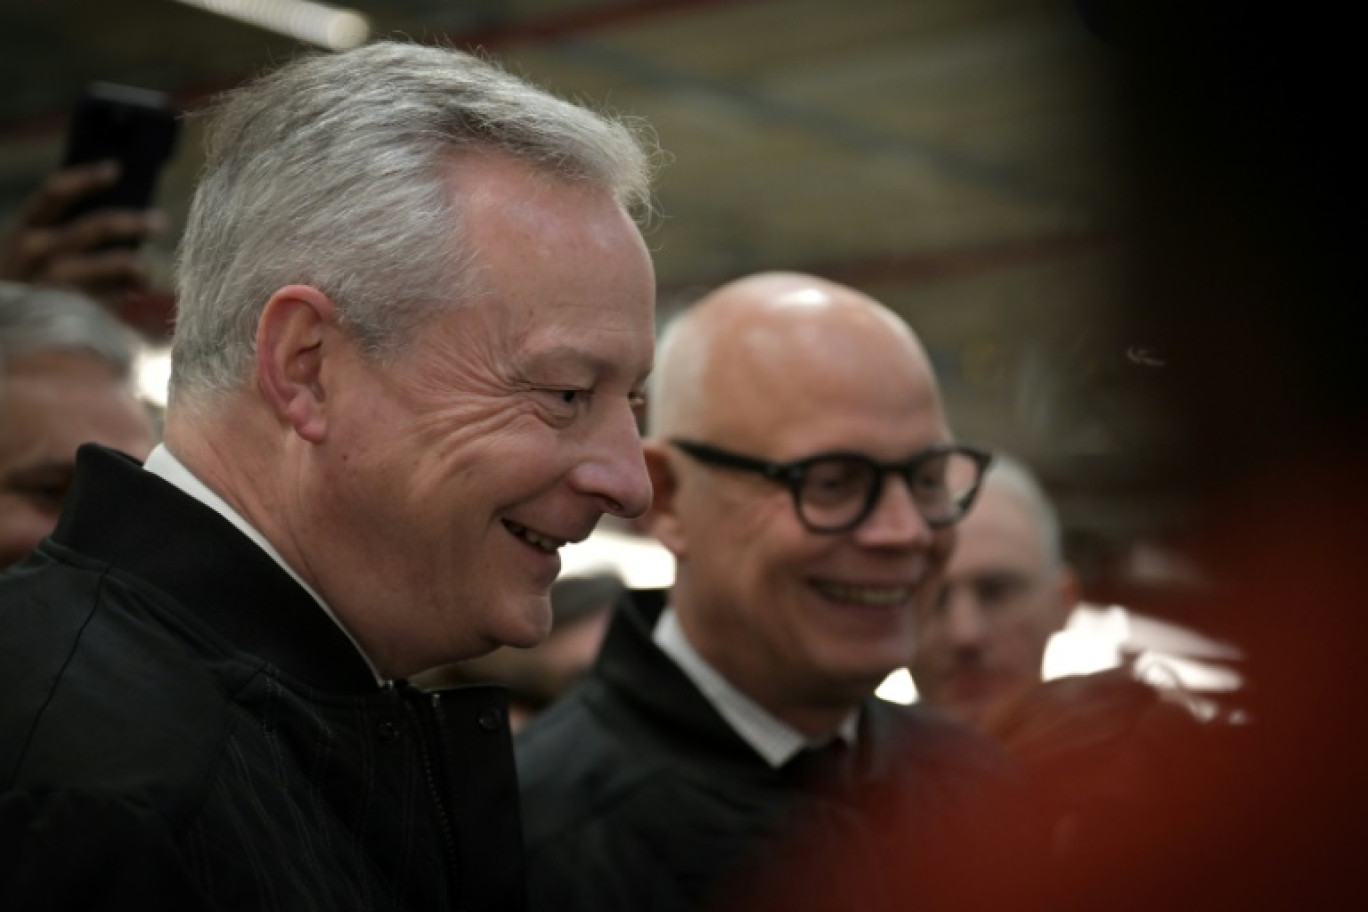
[(1012, 476), (331, 172), (35, 320)]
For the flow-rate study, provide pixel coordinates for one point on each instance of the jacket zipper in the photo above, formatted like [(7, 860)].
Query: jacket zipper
[(436, 744)]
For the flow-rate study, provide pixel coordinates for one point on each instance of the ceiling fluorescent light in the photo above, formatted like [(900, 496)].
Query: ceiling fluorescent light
[(326, 26)]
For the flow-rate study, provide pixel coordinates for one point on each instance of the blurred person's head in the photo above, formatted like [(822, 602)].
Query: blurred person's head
[(66, 378), (798, 581), (980, 643), (415, 313)]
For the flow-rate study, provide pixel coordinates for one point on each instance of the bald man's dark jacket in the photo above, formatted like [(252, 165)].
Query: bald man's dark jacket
[(182, 727), (638, 795)]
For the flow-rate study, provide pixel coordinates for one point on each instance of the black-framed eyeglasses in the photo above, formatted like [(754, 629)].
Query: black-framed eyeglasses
[(836, 491)]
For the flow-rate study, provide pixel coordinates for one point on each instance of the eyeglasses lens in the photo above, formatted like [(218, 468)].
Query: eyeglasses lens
[(836, 491)]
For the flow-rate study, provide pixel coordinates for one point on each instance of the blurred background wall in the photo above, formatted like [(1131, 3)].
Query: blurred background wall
[(955, 158)]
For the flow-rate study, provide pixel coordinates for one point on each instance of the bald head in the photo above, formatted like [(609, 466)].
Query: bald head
[(770, 336), (786, 368)]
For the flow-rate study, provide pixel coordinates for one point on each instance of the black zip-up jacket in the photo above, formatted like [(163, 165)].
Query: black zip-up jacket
[(182, 727), (639, 797)]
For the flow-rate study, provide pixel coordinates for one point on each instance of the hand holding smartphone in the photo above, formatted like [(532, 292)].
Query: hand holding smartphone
[(82, 226)]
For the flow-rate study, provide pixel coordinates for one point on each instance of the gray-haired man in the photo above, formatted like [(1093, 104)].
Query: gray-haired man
[(415, 315)]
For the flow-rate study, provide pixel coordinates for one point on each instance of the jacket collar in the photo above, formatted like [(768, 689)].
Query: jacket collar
[(141, 526), (659, 694), (660, 697)]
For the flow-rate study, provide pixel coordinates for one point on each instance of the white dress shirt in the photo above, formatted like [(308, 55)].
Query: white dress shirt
[(771, 738)]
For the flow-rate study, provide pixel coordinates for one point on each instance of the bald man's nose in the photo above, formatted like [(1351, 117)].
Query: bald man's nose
[(895, 520)]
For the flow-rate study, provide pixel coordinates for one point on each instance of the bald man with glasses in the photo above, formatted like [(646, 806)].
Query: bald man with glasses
[(808, 484)]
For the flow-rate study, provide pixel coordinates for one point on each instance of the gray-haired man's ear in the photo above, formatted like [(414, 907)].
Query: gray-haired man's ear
[(290, 348)]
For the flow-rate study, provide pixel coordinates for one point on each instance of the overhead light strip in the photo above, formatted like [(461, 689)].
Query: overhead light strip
[(331, 27)]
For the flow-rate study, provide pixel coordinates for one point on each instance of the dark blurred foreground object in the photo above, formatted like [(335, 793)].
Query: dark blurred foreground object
[(1245, 164), (1097, 749), (1248, 281)]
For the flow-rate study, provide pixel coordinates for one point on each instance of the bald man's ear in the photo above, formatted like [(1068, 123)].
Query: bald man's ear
[(289, 357), (663, 519)]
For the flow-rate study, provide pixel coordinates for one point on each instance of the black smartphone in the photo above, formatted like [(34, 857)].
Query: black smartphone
[(136, 127)]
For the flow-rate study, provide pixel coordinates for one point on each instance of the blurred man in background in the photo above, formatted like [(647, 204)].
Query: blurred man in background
[(980, 643), (66, 378)]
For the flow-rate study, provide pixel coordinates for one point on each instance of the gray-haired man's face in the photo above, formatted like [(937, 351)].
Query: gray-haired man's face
[(506, 431)]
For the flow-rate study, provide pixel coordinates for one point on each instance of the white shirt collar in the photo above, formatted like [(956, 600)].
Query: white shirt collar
[(771, 738), (163, 463)]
